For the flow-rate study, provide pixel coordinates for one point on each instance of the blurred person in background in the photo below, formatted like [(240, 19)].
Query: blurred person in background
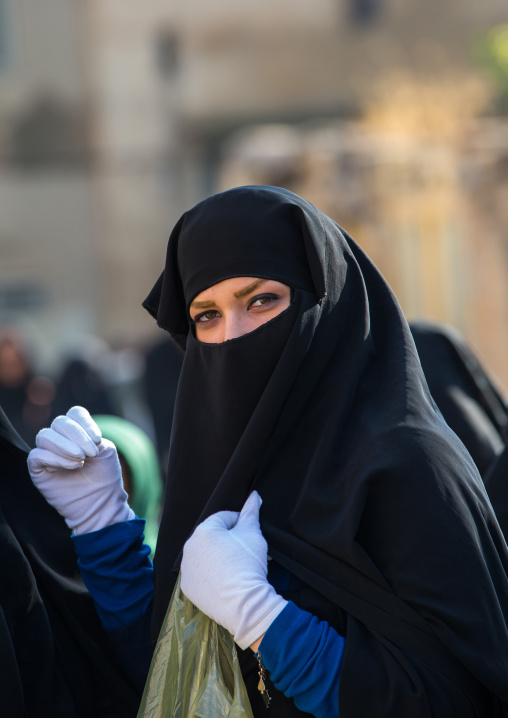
[(471, 403), (140, 470), (122, 369), (26, 397), (386, 592), (80, 380), (467, 397), (56, 660), (163, 361)]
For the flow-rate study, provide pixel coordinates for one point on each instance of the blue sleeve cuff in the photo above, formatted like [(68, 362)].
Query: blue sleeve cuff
[(116, 568), (304, 658)]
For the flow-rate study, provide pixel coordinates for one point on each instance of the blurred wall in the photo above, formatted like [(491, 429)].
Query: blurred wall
[(47, 227), (115, 116)]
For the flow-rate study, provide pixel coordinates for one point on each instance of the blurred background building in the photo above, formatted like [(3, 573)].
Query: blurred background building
[(116, 116)]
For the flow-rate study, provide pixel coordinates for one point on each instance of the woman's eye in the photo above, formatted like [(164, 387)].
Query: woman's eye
[(262, 300), (206, 316)]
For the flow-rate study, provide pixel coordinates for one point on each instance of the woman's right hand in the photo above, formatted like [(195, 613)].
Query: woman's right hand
[(79, 474), (224, 573)]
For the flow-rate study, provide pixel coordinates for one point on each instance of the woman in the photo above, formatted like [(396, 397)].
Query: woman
[(55, 658), (301, 384)]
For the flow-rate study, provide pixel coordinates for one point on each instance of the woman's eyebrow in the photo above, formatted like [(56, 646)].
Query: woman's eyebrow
[(249, 288), (202, 305), (240, 293)]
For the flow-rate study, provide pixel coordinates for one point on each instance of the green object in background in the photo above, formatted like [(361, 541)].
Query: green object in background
[(138, 451), (492, 52), (195, 671)]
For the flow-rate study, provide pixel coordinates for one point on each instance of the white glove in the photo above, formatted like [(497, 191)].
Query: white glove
[(223, 573), (79, 474)]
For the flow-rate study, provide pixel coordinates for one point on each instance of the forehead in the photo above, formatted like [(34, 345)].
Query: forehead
[(241, 233)]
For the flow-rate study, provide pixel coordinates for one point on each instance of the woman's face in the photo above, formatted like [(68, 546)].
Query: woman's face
[(237, 306)]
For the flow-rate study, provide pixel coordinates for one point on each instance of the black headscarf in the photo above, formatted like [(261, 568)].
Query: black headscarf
[(55, 659), (368, 497), (467, 397)]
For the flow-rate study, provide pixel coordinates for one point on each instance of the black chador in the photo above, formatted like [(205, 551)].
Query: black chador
[(368, 497)]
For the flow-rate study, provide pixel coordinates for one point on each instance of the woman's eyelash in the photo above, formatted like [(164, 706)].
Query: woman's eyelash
[(198, 317), (262, 296)]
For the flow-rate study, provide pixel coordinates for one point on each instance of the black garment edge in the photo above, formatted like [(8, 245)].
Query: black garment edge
[(496, 483)]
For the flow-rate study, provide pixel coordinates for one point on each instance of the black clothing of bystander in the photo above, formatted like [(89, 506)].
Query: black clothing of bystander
[(55, 659), (467, 397)]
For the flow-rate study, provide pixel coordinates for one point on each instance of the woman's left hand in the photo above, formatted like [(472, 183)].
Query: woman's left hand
[(224, 569)]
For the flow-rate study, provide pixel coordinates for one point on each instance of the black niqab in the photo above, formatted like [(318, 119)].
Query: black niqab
[(368, 496)]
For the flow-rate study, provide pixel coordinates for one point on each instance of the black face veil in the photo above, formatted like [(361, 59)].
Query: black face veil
[(368, 497)]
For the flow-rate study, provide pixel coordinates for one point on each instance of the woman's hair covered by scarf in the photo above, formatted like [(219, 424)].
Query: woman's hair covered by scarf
[(368, 496)]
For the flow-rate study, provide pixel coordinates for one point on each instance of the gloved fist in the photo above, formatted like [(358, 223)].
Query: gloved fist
[(78, 473), (224, 569)]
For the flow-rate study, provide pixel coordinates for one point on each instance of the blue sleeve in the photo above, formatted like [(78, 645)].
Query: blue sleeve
[(304, 658), (117, 570)]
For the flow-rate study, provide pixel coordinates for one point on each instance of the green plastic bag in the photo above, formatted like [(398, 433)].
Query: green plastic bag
[(195, 671)]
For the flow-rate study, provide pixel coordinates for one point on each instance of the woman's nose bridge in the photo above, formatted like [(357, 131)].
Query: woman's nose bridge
[(235, 324)]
